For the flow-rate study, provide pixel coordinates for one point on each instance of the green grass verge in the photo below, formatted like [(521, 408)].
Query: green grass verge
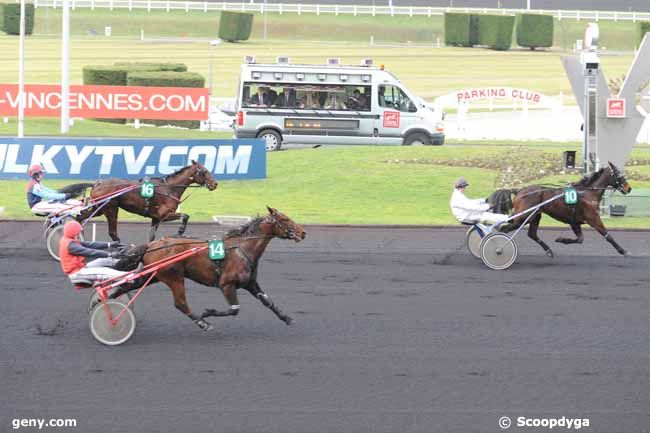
[(92, 128), (341, 185)]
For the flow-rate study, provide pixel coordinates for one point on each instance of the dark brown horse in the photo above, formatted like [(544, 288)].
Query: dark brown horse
[(586, 211), (160, 208), (238, 270)]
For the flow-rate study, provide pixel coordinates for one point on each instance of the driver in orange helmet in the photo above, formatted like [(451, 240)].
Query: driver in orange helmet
[(74, 253)]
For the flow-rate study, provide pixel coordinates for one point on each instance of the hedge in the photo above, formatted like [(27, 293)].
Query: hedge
[(144, 66), (11, 18), (534, 30), (644, 27), (461, 29), (235, 26), (495, 31), (168, 79)]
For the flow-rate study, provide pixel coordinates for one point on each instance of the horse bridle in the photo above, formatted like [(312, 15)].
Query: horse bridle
[(618, 182), (289, 232)]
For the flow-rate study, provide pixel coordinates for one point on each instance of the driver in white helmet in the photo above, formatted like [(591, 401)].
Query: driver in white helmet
[(471, 211)]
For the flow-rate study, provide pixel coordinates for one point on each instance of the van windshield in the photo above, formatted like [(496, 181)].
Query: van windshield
[(306, 96)]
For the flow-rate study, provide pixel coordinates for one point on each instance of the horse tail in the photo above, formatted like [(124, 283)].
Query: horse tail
[(501, 200), (76, 189)]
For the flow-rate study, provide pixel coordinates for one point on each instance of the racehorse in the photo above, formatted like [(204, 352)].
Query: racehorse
[(161, 207), (590, 191), (244, 248)]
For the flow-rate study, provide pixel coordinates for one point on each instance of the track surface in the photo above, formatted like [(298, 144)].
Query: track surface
[(394, 332)]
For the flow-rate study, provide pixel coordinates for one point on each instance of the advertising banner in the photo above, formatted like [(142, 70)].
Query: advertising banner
[(106, 102), (98, 158)]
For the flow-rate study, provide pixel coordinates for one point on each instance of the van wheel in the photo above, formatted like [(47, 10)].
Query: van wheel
[(272, 138), (417, 139)]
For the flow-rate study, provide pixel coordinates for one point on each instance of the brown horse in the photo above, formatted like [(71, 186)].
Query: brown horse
[(238, 270), (161, 207), (586, 211)]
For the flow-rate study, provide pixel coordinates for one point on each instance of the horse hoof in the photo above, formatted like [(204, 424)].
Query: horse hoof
[(205, 326), (288, 320), (550, 253), (561, 240)]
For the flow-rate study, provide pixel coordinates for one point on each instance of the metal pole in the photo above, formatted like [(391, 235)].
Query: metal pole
[(65, 68), (21, 73), (266, 21), (528, 4)]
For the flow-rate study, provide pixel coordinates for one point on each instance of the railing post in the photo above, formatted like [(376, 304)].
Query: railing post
[(429, 12), (92, 5), (205, 6), (373, 10), (578, 15), (280, 9), (559, 15), (597, 16), (633, 17), (299, 8), (411, 12), (187, 6), (148, 5), (73, 4), (317, 9), (168, 6), (130, 5), (354, 10)]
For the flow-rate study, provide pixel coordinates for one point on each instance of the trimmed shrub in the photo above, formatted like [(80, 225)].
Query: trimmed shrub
[(644, 27), (11, 18), (534, 30), (114, 75), (461, 29), (235, 26), (144, 66), (495, 31), (168, 79)]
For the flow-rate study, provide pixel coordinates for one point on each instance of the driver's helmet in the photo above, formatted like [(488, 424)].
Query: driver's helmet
[(71, 229), (35, 169), (461, 183)]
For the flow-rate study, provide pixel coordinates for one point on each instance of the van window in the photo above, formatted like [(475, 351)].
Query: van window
[(301, 96), (394, 97)]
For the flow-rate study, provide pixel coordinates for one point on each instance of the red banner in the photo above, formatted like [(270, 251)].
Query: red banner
[(120, 102)]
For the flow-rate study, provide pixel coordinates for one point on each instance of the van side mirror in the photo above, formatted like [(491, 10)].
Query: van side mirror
[(411, 107)]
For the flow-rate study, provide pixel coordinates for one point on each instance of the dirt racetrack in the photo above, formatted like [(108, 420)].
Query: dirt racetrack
[(397, 330)]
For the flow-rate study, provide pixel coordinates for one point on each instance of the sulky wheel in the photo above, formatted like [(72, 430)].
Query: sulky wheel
[(53, 238), (498, 251), (473, 237), (103, 328), (93, 300)]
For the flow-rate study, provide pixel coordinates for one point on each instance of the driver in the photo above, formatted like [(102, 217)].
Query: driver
[(45, 200), (73, 253), (471, 211)]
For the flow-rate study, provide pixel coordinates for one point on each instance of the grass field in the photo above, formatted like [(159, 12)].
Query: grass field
[(355, 185), (428, 71)]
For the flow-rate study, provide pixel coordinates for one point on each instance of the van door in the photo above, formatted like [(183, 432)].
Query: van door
[(396, 113)]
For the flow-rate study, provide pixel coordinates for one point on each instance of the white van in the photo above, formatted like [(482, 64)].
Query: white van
[(331, 104)]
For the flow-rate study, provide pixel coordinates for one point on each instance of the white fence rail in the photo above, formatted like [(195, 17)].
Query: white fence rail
[(317, 9)]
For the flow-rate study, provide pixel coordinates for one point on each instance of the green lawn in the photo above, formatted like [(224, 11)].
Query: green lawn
[(183, 37), (335, 185)]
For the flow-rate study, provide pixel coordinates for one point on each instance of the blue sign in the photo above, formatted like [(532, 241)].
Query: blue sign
[(96, 158)]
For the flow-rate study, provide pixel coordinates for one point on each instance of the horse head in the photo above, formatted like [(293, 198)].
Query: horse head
[(282, 226), (201, 176), (618, 181)]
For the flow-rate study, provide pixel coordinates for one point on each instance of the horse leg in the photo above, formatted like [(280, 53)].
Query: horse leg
[(180, 302), (255, 290), (230, 293), (579, 237), (532, 233), (154, 228), (598, 225), (111, 216)]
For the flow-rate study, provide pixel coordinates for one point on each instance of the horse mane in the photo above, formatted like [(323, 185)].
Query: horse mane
[(589, 179), (249, 228), (179, 171)]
